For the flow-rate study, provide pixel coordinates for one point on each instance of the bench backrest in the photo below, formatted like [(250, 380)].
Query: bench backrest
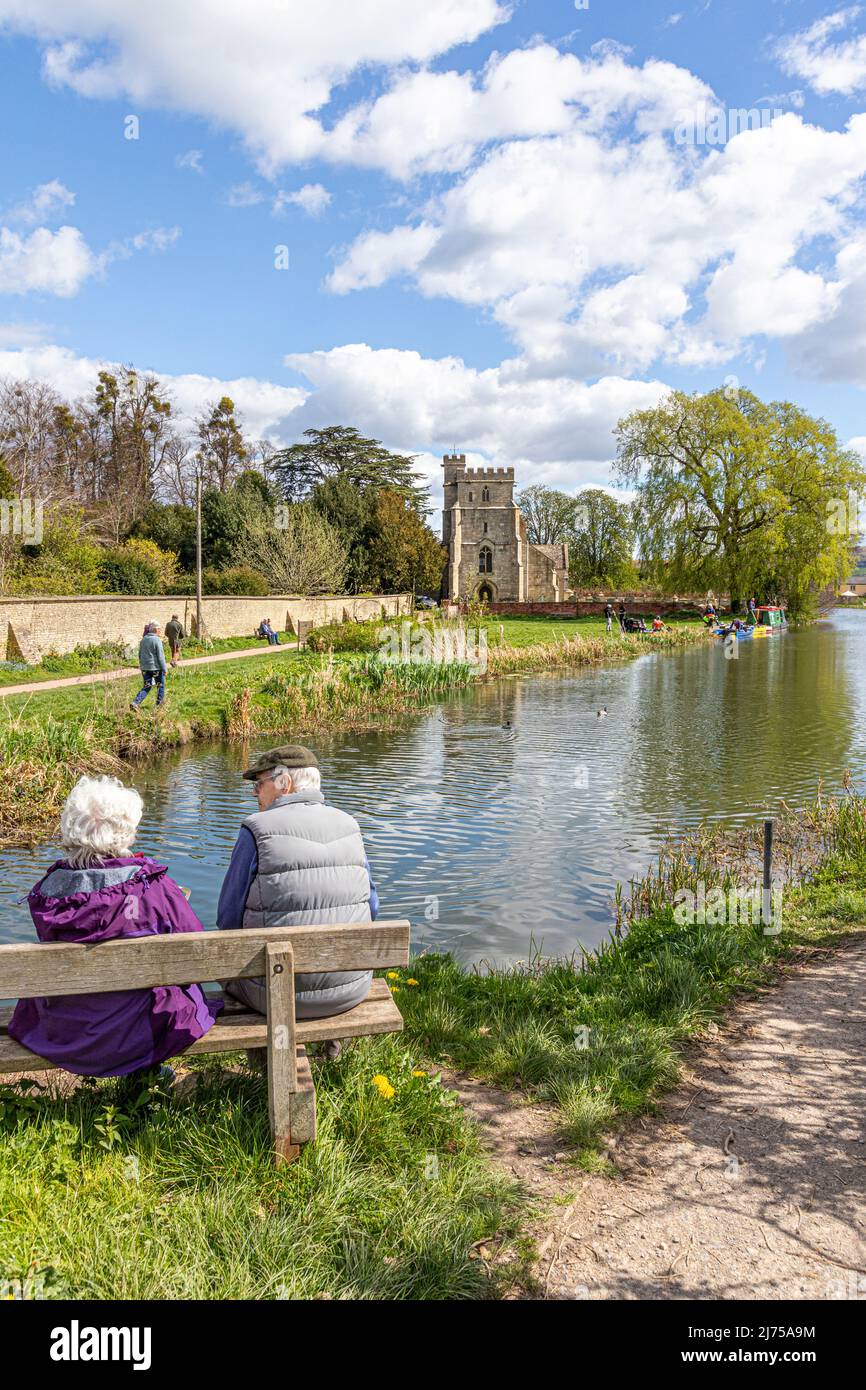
[(142, 962)]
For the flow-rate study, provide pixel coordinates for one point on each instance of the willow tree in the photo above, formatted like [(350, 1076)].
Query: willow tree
[(735, 494)]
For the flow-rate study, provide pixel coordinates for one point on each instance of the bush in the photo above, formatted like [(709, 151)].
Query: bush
[(345, 637), (243, 580), (138, 567)]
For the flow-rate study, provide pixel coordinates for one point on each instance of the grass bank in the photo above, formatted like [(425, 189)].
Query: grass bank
[(48, 738), (111, 1191)]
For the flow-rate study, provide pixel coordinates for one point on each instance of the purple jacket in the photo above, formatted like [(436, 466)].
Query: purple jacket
[(125, 1030)]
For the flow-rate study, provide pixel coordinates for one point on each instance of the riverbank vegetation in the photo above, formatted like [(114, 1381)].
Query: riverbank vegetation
[(49, 738), (110, 1189)]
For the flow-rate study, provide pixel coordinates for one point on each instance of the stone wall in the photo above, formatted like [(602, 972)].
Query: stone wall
[(642, 605), (30, 627)]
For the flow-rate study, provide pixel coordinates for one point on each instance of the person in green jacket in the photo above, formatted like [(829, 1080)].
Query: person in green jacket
[(175, 634), (151, 659)]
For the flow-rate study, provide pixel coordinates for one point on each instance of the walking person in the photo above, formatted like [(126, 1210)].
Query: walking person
[(151, 659), (608, 615), (175, 634)]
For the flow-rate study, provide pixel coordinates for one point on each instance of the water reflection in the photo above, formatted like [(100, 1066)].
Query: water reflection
[(511, 811)]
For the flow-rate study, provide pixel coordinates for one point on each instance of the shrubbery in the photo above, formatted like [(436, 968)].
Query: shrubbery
[(241, 580), (346, 637), (138, 567)]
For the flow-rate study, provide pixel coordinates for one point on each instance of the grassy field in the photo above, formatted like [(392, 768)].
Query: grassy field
[(120, 1189)]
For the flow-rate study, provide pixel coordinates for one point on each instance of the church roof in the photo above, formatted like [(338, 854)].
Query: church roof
[(556, 553)]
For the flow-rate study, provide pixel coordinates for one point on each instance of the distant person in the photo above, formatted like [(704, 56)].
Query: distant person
[(265, 630), (608, 616), (753, 611), (151, 659), (175, 635), (622, 613), (658, 625), (100, 891)]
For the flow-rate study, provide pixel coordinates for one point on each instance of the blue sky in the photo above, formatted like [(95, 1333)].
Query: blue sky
[(491, 204)]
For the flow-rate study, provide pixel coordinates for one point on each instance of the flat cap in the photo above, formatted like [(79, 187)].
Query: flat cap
[(290, 755)]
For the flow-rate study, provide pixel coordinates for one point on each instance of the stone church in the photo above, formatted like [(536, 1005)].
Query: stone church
[(489, 556)]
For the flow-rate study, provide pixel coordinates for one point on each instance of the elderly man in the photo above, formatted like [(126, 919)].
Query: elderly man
[(298, 862)]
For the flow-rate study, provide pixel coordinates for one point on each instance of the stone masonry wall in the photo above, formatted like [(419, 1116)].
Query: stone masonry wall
[(31, 627)]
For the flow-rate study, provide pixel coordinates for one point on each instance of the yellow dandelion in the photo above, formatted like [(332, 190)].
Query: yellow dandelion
[(411, 982), (393, 975), (383, 1086), (419, 1073), (395, 989)]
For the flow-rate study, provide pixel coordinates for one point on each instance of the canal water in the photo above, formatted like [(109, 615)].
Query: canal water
[(508, 813)]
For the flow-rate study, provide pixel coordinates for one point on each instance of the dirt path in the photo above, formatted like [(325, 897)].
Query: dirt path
[(35, 686), (750, 1184)]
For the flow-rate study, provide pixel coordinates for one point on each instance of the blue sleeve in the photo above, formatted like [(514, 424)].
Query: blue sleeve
[(237, 883), (374, 896)]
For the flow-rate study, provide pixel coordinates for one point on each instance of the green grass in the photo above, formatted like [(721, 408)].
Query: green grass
[(601, 1036), (119, 1190), (110, 656)]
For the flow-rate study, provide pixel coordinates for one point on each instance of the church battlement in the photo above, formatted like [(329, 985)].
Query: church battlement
[(479, 474)]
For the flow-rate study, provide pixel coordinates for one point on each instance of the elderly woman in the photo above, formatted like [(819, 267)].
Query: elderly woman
[(101, 891)]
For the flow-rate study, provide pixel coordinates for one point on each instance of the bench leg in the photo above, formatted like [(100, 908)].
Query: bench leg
[(282, 1060), (301, 1114)]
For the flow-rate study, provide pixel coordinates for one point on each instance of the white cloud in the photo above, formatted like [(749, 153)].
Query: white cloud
[(607, 247), (244, 195), (264, 405), (48, 262), (192, 159), (826, 65), (265, 69), (559, 430), (313, 198), (45, 200)]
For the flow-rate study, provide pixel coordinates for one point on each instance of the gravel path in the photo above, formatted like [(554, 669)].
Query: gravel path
[(749, 1184)]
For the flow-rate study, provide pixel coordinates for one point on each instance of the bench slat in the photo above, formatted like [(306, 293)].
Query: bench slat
[(145, 961), (233, 1031)]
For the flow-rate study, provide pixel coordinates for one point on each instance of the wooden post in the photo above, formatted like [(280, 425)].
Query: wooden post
[(766, 897), (282, 1063)]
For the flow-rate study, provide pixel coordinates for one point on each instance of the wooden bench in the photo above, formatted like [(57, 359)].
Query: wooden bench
[(274, 953)]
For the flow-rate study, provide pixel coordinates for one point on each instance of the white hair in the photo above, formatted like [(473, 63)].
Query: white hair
[(303, 778), (99, 819)]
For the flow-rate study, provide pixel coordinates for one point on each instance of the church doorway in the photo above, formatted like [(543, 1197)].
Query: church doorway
[(485, 593)]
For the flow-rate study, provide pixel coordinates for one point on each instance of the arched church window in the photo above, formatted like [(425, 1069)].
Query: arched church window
[(485, 560), (485, 494)]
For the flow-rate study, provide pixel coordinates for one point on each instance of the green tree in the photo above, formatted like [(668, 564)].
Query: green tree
[(600, 545), (223, 452), (404, 555), (731, 490), (172, 527), (341, 452), (549, 514)]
